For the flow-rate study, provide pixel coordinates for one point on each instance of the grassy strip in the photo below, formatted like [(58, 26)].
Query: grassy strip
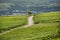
[(47, 17), (35, 32), (9, 22)]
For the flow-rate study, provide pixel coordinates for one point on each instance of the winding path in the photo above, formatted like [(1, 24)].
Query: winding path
[(30, 23)]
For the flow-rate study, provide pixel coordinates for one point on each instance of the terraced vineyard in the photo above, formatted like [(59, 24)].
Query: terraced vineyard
[(9, 22)]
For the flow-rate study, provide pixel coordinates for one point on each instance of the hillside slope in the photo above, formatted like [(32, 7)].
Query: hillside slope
[(46, 30)]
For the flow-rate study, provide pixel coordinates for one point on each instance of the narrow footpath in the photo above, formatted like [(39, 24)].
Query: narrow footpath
[(30, 23)]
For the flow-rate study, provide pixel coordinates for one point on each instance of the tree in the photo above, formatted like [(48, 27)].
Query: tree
[(29, 13)]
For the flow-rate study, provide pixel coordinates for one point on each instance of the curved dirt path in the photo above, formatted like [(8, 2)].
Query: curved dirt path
[(30, 23)]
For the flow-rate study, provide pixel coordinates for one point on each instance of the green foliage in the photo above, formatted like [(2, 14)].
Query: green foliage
[(9, 22), (36, 32), (47, 17), (56, 38), (29, 13), (47, 29)]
